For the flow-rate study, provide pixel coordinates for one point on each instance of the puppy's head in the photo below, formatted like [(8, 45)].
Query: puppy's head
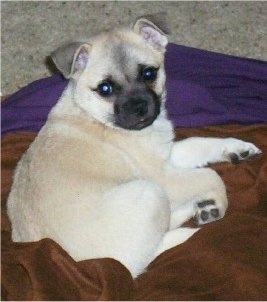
[(118, 77)]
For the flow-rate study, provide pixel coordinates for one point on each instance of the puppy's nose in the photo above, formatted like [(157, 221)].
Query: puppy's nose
[(138, 107)]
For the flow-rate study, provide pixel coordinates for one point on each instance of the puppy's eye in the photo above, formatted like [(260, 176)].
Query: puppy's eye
[(149, 73), (105, 89)]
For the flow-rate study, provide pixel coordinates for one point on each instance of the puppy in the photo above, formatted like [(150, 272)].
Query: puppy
[(104, 178)]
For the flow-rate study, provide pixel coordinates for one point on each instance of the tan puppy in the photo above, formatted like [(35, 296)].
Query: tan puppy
[(103, 177)]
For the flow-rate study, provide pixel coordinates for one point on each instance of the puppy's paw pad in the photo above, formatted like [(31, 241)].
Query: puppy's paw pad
[(206, 211), (237, 151)]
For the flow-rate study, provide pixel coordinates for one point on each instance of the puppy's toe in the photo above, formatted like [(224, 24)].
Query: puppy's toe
[(207, 211), (237, 151)]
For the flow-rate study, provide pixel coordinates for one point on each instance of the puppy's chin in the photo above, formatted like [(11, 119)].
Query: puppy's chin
[(133, 124)]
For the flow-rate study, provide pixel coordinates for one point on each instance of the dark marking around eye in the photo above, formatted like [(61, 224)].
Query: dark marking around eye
[(107, 87), (147, 73)]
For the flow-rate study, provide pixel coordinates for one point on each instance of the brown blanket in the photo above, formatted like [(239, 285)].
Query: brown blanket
[(225, 260)]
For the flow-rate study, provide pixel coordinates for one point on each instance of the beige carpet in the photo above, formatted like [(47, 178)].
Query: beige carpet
[(32, 29)]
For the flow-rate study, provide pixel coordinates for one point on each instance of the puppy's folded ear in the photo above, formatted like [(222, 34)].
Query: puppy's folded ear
[(71, 57), (153, 29)]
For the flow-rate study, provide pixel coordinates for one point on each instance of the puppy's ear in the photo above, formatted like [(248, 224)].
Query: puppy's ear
[(71, 58), (153, 29)]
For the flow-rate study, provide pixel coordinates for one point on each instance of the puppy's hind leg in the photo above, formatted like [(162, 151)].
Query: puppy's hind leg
[(175, 237), (198, 193), (178, 235), (139, 215)]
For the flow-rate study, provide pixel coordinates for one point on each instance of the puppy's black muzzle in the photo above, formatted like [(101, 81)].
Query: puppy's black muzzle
[(137, 107), (137, 111)]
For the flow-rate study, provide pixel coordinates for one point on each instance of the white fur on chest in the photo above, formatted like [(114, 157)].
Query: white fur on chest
[(152, 144)]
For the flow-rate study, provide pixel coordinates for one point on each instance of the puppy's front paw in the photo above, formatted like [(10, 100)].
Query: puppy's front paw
[(207, 211), (237, 150)]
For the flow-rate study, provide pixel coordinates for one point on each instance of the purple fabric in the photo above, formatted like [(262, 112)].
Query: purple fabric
[(27, 109), (203, 88), (207, 88)]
